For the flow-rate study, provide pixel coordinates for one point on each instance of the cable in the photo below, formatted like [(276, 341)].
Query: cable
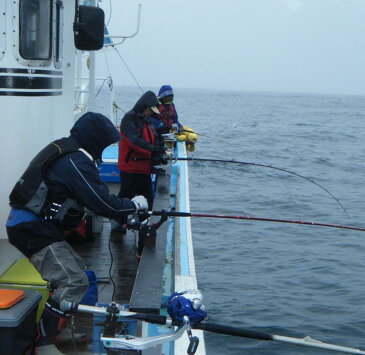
[(100, 89), (111, 265), (115, 105), (130, 72), (110, 13)]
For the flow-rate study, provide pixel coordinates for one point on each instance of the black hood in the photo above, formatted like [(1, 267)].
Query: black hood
[(148, 99), (95, 132)]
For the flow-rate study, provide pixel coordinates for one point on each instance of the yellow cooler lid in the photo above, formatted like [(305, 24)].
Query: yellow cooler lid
[(22, 273)]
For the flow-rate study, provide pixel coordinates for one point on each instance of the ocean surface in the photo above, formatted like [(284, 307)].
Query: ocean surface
[(284, 279)]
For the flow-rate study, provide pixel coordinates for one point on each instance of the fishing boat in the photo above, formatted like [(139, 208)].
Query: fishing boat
[(47, 75), (47, 81)]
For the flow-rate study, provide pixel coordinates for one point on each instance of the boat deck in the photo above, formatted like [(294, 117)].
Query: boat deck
[(99, 258), (121, 257), (96, 255)]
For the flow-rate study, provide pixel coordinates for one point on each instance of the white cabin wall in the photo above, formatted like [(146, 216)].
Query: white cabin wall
[(65, 117), (28, 123)]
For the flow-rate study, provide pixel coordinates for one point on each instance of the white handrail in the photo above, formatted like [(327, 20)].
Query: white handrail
[(124, 37)]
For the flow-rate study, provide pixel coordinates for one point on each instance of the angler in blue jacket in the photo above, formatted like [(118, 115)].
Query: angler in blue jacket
[(49, 199)]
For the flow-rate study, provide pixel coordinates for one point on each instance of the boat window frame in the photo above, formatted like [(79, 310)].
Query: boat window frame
[(58, 33), (36, 62), (2, 28)]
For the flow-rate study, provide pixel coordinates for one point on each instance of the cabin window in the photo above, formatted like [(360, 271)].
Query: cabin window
[(35, 29), (58, 33)]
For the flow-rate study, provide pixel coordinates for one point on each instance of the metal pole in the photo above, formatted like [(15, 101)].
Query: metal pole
[(91, 104)]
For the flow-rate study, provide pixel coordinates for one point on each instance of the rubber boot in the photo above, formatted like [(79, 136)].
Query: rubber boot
[(50, 325)]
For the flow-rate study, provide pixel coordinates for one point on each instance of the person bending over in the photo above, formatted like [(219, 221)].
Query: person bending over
[(49, 199)]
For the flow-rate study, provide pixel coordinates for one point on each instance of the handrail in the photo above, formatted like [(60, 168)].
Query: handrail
[(128, 36)]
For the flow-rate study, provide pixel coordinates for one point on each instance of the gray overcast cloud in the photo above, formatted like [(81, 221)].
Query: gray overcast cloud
[(312, 46)]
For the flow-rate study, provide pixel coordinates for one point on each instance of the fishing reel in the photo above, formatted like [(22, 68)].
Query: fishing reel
[(147, 231), (185, 309)]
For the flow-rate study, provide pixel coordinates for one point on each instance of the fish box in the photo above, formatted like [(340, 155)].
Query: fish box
[(18, 321)]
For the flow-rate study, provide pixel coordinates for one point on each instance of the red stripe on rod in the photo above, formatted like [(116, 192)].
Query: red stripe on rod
[(277, 220)]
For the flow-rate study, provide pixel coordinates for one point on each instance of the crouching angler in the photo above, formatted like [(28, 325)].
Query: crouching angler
[(49, 199)]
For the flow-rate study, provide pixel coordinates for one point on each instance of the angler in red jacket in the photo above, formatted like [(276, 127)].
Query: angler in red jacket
[(138, 146)]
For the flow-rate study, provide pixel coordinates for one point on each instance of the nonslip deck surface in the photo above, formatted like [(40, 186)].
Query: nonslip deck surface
[(96, 255)]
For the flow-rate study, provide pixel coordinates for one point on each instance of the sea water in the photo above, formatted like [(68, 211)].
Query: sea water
[(284, 279)]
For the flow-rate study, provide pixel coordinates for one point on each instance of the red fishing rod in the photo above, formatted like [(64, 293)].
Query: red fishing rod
[(249, 218)]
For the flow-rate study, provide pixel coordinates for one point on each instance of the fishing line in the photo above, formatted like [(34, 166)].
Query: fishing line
[(240, 146), (214, 138), (271, 167), (250, 218)]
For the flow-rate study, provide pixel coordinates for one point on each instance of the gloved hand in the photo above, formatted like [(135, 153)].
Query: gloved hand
[(159, 150), (140, 202), (175, 127), (159, 160)]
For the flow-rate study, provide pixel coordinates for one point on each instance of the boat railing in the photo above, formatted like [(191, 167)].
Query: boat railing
[(82, 91)]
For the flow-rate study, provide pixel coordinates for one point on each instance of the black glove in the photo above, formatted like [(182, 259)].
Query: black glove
[(159, 150), (159, 159)]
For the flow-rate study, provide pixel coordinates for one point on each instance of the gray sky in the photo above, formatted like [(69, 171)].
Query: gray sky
[(313, 46)]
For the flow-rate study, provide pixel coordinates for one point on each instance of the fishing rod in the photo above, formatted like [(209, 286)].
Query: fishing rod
[(252, 334), (249, 218), (210, 327), (267, 166), (261, 165)]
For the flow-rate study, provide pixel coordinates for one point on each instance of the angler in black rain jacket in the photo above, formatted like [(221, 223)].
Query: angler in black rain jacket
[(71, 175), (66, 180)]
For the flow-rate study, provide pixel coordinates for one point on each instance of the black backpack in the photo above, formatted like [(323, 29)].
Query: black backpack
[(30, 192)]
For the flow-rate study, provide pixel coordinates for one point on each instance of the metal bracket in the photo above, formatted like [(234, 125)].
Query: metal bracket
[(135, 343), (146, 231)]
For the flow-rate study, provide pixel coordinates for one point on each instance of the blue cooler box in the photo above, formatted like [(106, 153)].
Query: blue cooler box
[(108, 169), (18, 324)]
